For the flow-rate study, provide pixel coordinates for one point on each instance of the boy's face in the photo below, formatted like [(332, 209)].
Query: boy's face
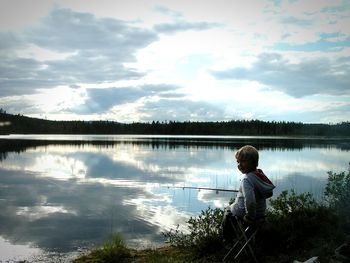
[(244, 165)]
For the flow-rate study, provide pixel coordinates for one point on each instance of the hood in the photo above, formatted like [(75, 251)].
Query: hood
[(259, 173), (263, 183)]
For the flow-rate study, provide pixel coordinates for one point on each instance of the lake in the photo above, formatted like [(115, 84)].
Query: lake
[(61, 194)]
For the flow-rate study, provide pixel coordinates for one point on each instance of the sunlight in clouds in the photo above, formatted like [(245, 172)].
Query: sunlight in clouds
[(57, 99), (216, 57)]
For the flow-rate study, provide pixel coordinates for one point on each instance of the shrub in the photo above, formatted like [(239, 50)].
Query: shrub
[(337, 195), (204, 232), (337, 191), (297, 221), (286, 204)]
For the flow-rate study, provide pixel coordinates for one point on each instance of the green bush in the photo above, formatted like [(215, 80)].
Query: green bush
[(337, 195), (337, 191), (286, 204), (296, 221), (204, 232)]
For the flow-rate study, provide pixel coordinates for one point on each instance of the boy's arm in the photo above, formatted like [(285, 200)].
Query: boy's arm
[(249, 199)]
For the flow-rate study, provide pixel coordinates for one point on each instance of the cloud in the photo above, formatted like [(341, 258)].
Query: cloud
[(9, 41), (95, 45), (308, 77), (170, 28), (181, 110), (301, 181), (66, 30), (62, 230), (46, 211), (296, 21), (164, 10), (336, 7), (101, 100), (80, 207), (106, 168), (99, 48), (19, 104)]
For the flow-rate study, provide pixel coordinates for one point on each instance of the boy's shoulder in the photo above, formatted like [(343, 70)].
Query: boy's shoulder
[(249, 177)]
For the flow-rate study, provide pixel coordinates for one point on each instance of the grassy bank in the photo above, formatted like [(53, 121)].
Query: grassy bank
[(297, 227)]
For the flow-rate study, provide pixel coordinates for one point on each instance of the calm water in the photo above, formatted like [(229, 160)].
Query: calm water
[(60, 197)]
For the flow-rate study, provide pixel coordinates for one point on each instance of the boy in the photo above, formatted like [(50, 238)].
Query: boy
[(255, 188)]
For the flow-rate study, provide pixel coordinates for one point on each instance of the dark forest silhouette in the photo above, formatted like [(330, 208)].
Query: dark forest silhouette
[(19, 124)]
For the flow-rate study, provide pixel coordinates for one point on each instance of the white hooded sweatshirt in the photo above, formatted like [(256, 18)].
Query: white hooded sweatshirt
[(255, 188)]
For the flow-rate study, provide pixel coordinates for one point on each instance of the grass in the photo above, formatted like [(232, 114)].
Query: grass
[(114, 250), (166, 254)]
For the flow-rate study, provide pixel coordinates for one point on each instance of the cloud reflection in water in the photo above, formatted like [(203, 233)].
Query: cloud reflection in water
[(64, 197)]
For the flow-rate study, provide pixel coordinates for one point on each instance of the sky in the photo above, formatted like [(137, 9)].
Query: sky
[(175, 60)]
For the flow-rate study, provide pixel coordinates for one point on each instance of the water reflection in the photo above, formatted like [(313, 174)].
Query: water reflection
[(59, 196)]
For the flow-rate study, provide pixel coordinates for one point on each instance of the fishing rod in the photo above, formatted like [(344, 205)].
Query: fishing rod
[(204, 188)]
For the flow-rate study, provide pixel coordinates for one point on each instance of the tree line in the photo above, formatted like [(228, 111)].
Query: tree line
[(19, 124)]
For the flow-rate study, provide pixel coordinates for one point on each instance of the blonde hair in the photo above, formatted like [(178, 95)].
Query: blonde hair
[(249, 153)]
